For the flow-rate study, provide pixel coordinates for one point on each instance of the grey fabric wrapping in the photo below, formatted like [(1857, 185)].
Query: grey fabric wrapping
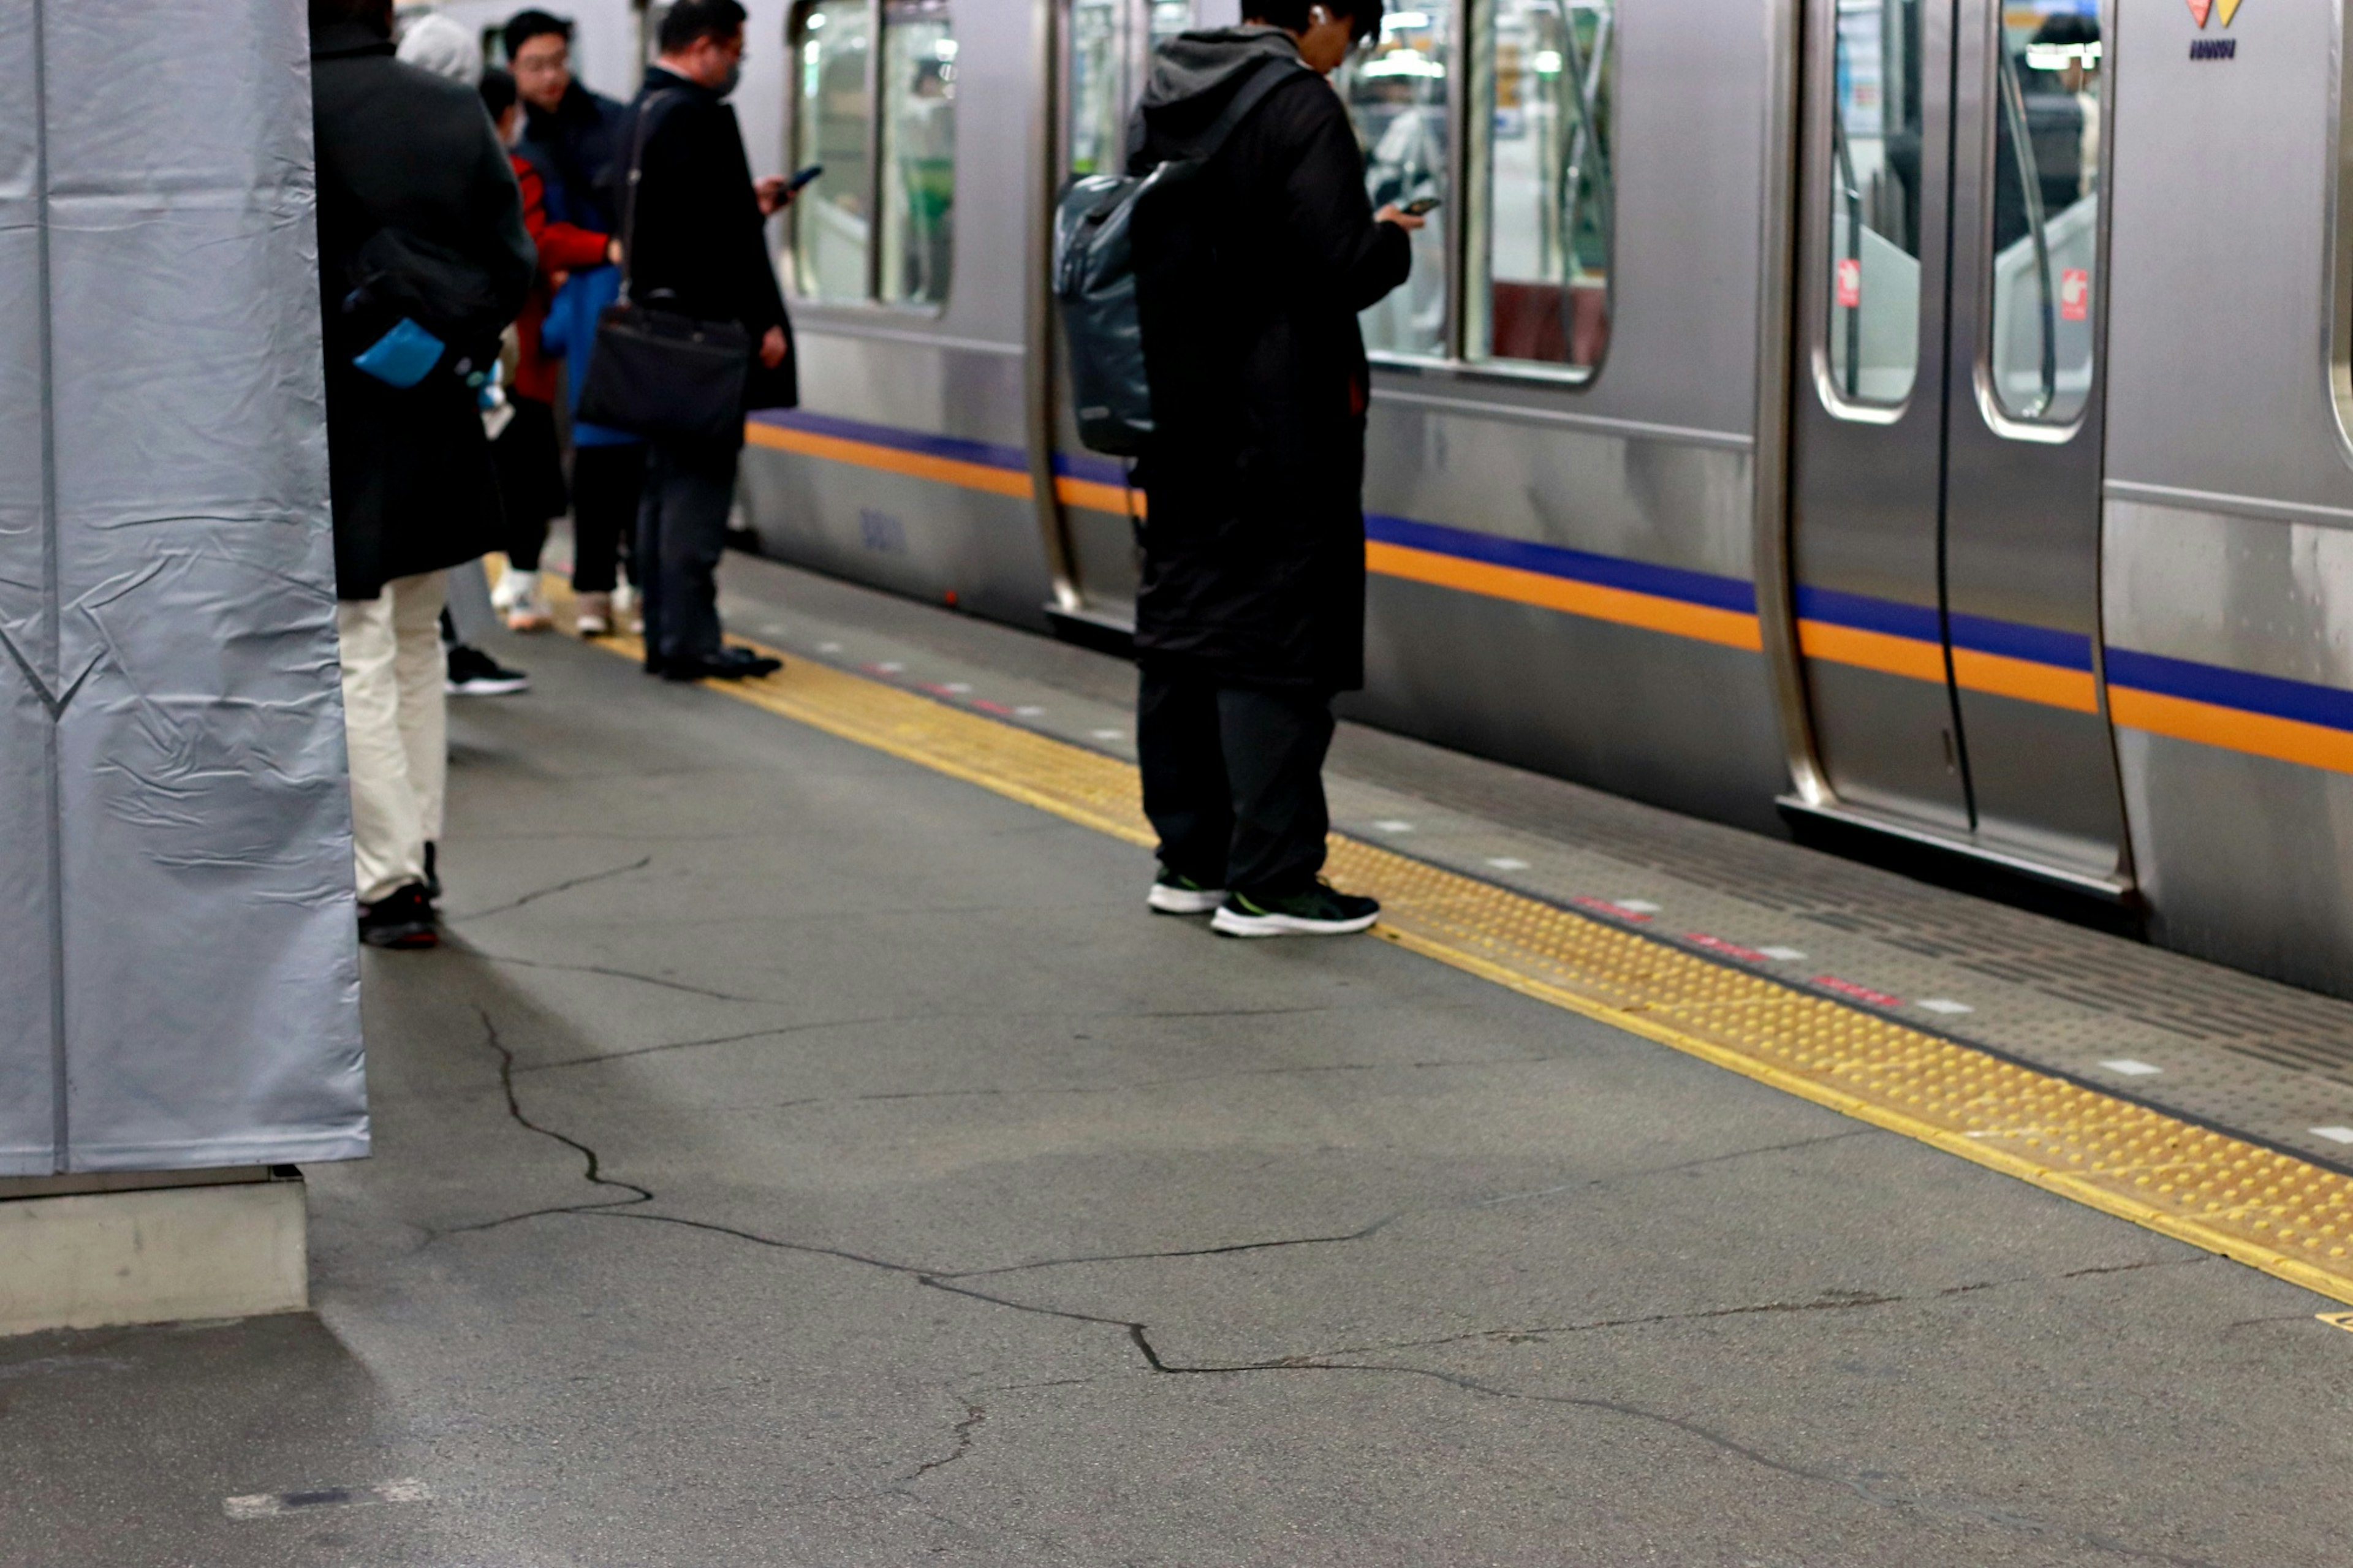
[(177, 946)]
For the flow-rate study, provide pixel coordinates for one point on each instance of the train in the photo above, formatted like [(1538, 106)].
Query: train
[(1914, 424)]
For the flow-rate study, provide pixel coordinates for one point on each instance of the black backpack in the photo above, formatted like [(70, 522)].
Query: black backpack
[(1095, 282)]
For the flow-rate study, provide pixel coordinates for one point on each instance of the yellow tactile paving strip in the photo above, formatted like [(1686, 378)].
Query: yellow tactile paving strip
[(2263, 1208)]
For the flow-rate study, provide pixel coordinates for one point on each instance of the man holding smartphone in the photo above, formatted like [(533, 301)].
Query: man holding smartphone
[(1251, 615), (697, 244)]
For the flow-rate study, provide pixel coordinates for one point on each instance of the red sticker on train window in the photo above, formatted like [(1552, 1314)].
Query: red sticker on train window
[(1849, 283), (2074, 295)]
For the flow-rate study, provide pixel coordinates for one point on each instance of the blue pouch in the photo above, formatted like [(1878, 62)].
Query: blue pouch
[(403, 356)]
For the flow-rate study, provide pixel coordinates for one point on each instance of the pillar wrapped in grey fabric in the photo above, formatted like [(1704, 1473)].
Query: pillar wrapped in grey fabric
[(176, 938)]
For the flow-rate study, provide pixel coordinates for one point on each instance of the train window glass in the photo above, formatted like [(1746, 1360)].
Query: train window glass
[(1875, 182), (1098, 97), (2046, 212), (1543, 220), (1396, 89), (919, 90), (831, 224)]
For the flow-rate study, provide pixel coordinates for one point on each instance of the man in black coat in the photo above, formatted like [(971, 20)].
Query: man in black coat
[(570, 134), (1251, 613), (403, 156), (696, 243)]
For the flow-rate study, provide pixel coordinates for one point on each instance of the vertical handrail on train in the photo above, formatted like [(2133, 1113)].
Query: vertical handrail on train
[(1586, 74), (1038, 263), (2029, 184)]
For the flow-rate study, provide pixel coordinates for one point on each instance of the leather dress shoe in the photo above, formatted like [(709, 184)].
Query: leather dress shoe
[(727, 664)]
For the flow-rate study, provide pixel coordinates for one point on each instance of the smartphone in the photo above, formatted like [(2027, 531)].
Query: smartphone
[(805, 176), (1421, 206)]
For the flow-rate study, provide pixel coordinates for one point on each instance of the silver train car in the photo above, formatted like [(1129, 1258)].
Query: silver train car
[(1921, 421)]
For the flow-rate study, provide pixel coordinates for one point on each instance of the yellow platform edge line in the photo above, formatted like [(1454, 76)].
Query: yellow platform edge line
[(932, 734)]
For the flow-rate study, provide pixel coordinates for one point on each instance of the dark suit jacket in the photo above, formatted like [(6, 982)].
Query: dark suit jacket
[(698, 235)]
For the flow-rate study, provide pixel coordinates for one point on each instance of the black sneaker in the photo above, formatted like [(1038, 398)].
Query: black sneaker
[(401, 919), (1321, 911), (473, 673), (1173, 893)]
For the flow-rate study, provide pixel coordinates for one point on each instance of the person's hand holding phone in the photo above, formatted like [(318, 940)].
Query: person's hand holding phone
[(1412, 216)]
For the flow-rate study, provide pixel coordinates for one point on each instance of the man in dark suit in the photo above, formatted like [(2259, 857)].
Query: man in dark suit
[(697, 244)]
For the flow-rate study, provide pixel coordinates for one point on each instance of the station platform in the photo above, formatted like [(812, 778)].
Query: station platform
[(807, 1150)]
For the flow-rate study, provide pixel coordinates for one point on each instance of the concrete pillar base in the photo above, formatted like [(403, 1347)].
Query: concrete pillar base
[(102, 1250)]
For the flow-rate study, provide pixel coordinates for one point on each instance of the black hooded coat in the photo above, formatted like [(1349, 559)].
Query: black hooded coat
[(400, 148), (1254, 541)]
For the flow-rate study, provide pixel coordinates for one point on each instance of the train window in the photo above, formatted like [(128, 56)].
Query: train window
[(919, 54), (1110, 57), (2046, 214), (1542, 224), (1397, 94), (831, 224), (1875, 252)]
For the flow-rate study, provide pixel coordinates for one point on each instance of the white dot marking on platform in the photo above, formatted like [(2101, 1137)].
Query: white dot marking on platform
[(1392, 825), (828, 647), (2335, 1134), (272, 1505), (1945, 1004), (1784, 954), (958, 687), (1640, 906), (1030, 710), (1506, 863), (2131, 1069), (890, 667), (772, 629), (1108, 735)]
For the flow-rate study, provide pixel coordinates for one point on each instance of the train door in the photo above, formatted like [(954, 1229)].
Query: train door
[(1105, 48), (1945, 506)]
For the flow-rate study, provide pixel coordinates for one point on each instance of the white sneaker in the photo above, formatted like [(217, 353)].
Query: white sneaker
[(592, 615), (1173, 895), (526, 610), (502, 592)]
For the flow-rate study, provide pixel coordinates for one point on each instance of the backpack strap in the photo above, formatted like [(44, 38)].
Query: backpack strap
[(1271, 73), (643, 130)]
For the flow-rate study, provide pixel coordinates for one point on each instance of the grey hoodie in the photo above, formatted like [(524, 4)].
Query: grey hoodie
[(1193, 75)]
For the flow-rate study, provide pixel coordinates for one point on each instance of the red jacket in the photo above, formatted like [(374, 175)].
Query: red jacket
[(563, 247)]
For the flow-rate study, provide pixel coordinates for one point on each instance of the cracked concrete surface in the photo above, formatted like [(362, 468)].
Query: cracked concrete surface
[(800, 1157)]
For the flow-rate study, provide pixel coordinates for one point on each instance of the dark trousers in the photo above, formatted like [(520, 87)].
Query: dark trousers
[(530, 463), (607, 484), (1233, 781), (681, 534)]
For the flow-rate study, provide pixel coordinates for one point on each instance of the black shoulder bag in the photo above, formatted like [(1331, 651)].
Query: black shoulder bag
[(662, 373)]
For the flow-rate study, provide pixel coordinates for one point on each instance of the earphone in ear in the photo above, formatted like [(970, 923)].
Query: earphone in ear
[(1317, 15)]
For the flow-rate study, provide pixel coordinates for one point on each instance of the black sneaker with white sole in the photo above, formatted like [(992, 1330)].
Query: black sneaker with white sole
[(1321, 910), (473, 673), (1173, 893)]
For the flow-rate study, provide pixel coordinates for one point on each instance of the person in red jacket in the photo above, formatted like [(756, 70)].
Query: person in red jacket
[(531, 465)]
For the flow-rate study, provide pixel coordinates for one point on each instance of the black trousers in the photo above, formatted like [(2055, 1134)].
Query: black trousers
[(531, 480), (607, 484), (1233, 781), (681, 534)]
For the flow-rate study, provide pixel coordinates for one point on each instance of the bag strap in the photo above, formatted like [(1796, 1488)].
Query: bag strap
[(1274, 73), (641, 131)]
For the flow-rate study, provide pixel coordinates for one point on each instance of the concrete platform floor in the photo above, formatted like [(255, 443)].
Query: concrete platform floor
[(799, 1157)]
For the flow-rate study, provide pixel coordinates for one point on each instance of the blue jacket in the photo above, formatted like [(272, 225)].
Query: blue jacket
[(570, 330)]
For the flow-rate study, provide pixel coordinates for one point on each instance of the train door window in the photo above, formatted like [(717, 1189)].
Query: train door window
[(831, 228), (1397, 90), (2046, 212), (919, 88), (1098, 95), (1874, 181), (1542, 224)]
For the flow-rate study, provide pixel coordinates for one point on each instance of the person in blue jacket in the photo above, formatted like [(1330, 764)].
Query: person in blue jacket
[(608, 467)]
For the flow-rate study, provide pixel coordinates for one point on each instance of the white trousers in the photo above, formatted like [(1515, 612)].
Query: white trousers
[(395, 727)]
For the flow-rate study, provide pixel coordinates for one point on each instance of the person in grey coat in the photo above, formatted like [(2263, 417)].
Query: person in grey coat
[(418, 214)]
